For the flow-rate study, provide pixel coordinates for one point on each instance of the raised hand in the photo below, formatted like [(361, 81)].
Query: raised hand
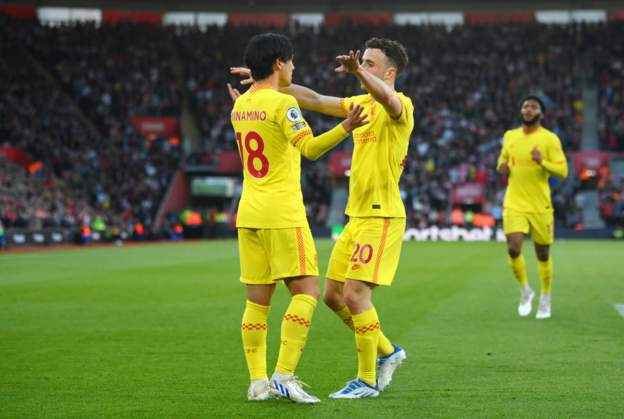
[(234, 93), (355, 118), (243, 72), (503, 169), (536, 155), (348, 63)]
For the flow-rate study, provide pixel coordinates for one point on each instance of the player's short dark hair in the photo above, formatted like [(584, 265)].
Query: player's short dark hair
[(394, 50), (263, 49), (535, 98)]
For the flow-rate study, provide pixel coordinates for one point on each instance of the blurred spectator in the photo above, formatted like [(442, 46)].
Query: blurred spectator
[(2, 240), (612, 203)]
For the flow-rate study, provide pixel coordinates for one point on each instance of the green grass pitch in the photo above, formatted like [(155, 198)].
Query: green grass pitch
[(154, 331)]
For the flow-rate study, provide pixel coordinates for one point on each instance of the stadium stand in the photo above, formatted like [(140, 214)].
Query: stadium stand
[(70, 93), (109, 74)]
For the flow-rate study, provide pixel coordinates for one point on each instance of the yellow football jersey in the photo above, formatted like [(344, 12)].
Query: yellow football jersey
[(379, 154), (268, 126), (528, 189)]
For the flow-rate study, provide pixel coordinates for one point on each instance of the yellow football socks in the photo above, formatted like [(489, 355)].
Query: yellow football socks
[(384, 347), (295, 327), (366, 338), (345, 315), (254, 329), (545, 270), (518, 267)]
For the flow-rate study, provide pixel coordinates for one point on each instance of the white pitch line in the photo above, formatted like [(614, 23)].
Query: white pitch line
[(619, 308)]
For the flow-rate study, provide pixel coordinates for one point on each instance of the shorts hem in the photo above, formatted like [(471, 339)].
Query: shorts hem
[(370, 281), (542, 244), (280, 277), (515, 231), (336, 278), (267, 281)]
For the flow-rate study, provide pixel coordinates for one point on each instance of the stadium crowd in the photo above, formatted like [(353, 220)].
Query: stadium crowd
[(37, 201), (464, 81), (609, 69), (79, 128)]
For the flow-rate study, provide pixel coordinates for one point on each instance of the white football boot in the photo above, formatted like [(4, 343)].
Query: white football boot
[(386, 365), (290, 387), (356, 389), (543, 309), (259, 390), (526, 298)]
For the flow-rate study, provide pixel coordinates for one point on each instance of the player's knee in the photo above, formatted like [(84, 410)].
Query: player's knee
[(333, 300), (543, 254), (316, 293), (304, 285), (352, 299), (513, 251), (312, 290)]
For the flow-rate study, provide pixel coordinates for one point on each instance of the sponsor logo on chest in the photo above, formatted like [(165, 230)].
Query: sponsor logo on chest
[(364, 137)]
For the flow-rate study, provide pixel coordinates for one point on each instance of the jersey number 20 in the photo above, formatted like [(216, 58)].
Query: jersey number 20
[(254, 154)]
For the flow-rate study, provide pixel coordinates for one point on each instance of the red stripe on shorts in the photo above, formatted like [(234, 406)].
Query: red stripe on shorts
[(302, 255), (382, 243)]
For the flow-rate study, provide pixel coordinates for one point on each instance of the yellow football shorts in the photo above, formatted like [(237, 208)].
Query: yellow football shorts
[(368, 250), (539, 225), (269, 255)]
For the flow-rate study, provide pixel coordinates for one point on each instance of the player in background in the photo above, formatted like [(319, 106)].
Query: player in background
[(529, 156), (367, 253), (275, 242)]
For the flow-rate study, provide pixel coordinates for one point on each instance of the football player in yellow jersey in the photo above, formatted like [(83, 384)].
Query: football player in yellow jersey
[(529, 156), (367, 253), (275, 242)]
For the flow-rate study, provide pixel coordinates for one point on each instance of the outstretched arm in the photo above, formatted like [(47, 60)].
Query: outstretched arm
[(312, 101), (315, 147), (306, 97), (382, 93)]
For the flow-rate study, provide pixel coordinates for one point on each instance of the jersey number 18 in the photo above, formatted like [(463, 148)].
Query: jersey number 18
[(253, 155)]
